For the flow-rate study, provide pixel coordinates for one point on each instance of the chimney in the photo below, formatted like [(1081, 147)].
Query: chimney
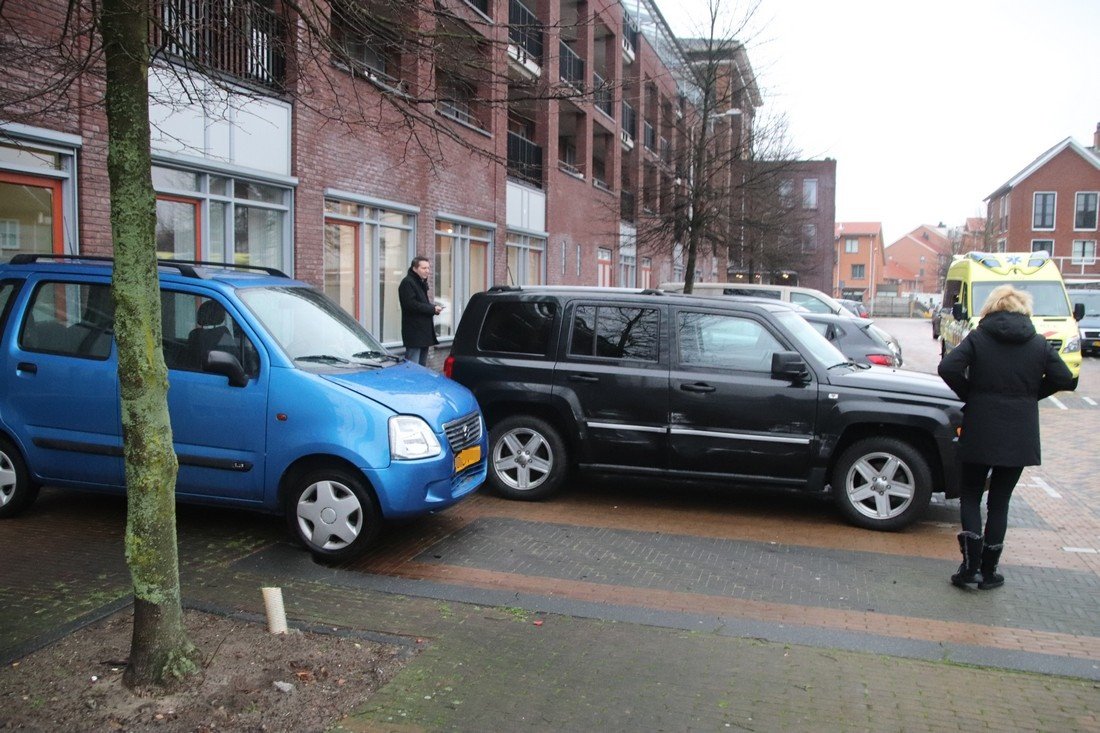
[(1096, 138)]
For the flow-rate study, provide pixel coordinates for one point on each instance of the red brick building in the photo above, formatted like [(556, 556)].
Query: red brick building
[(319, 173), (1052, 205), (916, 260), (860, 258)]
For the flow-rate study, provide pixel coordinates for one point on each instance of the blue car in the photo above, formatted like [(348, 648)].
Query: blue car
[(279, 400)]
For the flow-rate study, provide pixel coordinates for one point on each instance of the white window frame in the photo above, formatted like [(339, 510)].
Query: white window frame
[(1053, 211), (463, 234), (809, 193), (1095, 210), (1086, 255), (851, 245)]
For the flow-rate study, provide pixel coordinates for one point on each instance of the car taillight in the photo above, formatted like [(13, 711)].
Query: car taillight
[(448, 366), (880, 359)]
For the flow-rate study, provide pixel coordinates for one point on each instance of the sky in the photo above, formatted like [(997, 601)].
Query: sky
[(927, 107)]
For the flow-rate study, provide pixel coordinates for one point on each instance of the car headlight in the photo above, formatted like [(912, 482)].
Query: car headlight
[(1074, 344), (411, 438)]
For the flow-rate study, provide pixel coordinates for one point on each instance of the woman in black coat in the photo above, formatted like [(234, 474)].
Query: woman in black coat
[(1000, 370), (417, 311)]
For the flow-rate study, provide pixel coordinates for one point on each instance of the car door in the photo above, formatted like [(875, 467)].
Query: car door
[(61, 381), (612, 371), (219, 430), (727, 414)]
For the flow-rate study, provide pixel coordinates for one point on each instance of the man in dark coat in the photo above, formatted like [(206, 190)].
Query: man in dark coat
[(417, 311), (1000, 370)]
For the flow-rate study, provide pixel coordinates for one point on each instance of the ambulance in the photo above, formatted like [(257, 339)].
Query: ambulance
[(972, 276)]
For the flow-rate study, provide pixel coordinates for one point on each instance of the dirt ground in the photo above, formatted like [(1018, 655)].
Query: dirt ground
[(76, 683)]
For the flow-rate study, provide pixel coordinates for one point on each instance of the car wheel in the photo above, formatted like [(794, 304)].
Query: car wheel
[(333, 513), (528, 458), (17, 491), (882, 483)]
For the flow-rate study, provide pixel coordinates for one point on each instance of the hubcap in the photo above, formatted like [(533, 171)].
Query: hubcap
[(8, 482), (880, 485), (329, 515), (522, 459)]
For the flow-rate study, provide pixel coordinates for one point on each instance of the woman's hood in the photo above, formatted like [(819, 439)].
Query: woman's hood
[(1013, 328)]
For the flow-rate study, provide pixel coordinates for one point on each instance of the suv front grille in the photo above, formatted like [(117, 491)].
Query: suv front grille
[(1056, 343), (463, 431)]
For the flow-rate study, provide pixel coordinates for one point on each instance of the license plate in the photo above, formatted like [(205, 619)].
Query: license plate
[(467, 457)]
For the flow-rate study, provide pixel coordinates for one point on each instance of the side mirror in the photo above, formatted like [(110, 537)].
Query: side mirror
[(227, 365), (789, 365), (1078, 311), (958, 310)]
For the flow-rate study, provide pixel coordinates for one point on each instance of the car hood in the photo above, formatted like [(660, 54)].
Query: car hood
[(898, 381), (416, 390), (1089, 322)]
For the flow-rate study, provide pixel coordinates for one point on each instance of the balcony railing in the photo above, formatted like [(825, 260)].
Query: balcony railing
[(630, 34), (525, 30), (649, 136), (240, 39), (571, 67), (664, 149), (524, 159), (630, 120), (603, 95)]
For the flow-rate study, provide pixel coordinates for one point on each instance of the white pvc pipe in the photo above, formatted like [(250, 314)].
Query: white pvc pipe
[(276, 614)]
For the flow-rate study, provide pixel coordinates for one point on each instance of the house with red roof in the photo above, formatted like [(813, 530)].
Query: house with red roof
[(1051, 205), (860, 260), (917, 261)]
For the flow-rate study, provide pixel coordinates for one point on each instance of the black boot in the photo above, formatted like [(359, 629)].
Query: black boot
[(970, 545), (991, 555)]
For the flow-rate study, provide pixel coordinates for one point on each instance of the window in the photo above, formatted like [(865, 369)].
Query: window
[(366, 255), (645, 274), (809, 237), (192, 326), (1042, 245), (615, 332), (37, 212), (859, 272), (724, 342), (518, 328), (210, 217), (810, 302), (1084, 216), (525, 255), (1043, 212), (786, 192), (367, 42), (809, 193), (461, 269), (851, 245), (603, 267), (462, 73), (1084, 252), (73, 319), (627, 270)]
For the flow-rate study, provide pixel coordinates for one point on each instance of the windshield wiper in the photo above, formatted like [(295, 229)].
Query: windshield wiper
[(849, 363), (380, 355), (323, 359)]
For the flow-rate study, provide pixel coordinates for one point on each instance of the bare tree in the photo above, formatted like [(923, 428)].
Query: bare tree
[(419, 58)]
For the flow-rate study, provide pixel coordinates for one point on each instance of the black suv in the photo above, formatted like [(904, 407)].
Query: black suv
[(681, 386)]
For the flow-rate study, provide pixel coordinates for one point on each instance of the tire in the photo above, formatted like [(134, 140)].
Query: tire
[(17, 490), (882, 483), (333, 513), (528, 460)]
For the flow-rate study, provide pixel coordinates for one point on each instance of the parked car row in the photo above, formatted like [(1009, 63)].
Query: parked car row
[(281, 402)]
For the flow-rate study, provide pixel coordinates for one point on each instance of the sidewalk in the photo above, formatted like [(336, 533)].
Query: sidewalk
[(487, 665)]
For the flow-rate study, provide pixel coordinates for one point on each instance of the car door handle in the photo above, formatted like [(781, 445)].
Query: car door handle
[(26, 366), (582, 378), (697, 387)]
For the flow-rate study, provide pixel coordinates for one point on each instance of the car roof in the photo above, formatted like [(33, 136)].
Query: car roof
[(637, 295), (179, 271)]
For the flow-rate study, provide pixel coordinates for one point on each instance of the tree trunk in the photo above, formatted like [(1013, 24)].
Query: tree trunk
[(160, 650)]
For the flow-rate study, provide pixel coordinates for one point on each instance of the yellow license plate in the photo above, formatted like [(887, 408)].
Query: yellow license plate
[(467, 457)]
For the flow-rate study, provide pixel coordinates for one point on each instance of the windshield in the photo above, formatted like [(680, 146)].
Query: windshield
[(810, 340), (313, 330), (1050, 296), (1091, 301)]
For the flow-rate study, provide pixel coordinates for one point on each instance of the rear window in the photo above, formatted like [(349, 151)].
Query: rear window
[(518, 327)]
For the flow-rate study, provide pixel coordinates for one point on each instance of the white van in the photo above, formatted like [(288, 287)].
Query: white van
[(812, 300)]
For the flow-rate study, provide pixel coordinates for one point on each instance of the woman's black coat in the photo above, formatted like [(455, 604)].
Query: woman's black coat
[(417, 312), (1001, 370)]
